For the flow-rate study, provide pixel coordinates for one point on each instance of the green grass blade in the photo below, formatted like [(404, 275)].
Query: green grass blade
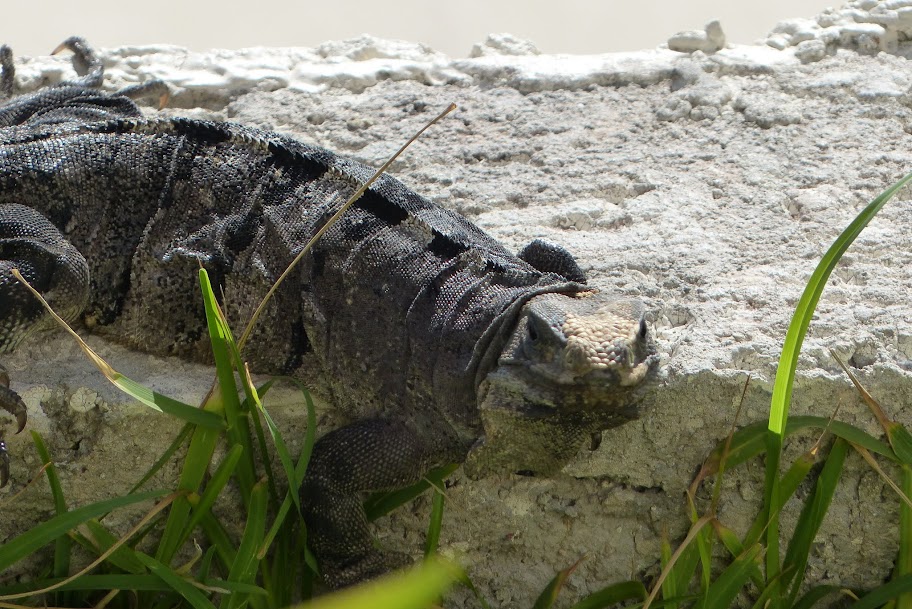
[(245, 564), (683, 571), (184, 412), (814, 596), (899, 437), (734, 546), (221, 341), (213, 489), (279, 571), (253, 406), (203, 441), (196, 463), (669, 564), (904, 559), (417, 588), (725, 588), (436, 523), (277, 525), (810, 519), (63, 544), (295, 475), (310, 438), (206, 564), (127, 385), (670, 584), (238, 588), (729, 539), (165, 457), (789, 484), (464, 580), (548, 596), (882, 594), (795, 475), (39, 536), (750, 441), (381, 504), (123, 557), (901, 441), (116, 581), (703, 544), (788, 362), (187, 591), (763, 601), (845, 431), (218, 537), (612, 595), (283, 453), (785, 375)]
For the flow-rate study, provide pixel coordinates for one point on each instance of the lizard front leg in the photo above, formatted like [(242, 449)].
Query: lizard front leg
[(34, 246), (85, 61), (370, 455), (7, 72), (13, 404), (51, 265)]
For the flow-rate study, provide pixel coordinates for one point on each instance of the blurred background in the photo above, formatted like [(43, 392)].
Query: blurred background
[(562, 26)]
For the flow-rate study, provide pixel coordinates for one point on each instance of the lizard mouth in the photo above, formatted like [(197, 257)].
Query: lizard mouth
[(596, 396), (586, 360), (536, 427)]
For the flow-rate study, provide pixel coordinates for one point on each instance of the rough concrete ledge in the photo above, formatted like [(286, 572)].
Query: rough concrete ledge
[(709, 186)]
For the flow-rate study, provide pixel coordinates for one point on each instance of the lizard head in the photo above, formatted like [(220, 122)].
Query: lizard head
[(571, 366)]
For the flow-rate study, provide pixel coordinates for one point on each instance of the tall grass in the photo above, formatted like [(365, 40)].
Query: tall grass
[(268, 565), (262, 567)]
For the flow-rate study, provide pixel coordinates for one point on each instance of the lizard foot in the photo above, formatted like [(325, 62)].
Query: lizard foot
[(13, 404), (150, 88), (378, 562), (85, 61), (549, 257)]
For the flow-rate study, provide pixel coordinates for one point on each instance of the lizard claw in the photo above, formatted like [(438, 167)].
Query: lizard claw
[(73, 43), (85, 61), (4, 464), (12, 403)]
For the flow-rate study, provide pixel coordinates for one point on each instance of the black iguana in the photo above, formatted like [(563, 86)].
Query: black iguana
[(438, 344)]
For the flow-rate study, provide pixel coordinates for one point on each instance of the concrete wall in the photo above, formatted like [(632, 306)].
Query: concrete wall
[(708, 185)]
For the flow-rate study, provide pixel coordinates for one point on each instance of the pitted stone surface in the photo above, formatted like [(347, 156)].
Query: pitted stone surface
[(715, 220)]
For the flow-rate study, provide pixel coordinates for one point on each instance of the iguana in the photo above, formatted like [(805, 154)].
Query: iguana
[(434, 341)]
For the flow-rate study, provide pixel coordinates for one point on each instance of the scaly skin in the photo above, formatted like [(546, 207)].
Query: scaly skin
[(435, 342)]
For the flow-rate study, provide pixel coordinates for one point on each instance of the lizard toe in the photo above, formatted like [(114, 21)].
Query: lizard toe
[(13, 404)]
